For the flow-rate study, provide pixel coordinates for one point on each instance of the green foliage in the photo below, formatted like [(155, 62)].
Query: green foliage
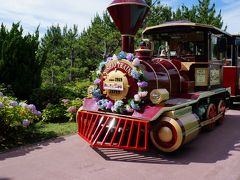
[(20, 62), (6, 90), (100, 40), (158, 14), (71, 57), (202, 13), (54, 114), (63, 60), (47, 95), (52, 94)]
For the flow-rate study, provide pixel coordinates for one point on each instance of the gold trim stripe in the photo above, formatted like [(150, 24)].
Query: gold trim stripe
[(126, 3), (128, 35)]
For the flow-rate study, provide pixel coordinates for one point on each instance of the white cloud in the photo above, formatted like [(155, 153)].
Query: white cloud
[(31, 13)]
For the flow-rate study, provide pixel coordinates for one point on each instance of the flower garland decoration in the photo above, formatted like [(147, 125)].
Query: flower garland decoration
[(120, 106)]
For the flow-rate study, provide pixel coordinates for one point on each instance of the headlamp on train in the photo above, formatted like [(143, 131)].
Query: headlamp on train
[(159, 95)]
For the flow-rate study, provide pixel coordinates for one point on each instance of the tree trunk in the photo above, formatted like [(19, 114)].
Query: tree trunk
[(72, 60)]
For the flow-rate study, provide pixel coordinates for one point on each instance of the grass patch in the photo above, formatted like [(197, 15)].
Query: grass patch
[(37, 133)]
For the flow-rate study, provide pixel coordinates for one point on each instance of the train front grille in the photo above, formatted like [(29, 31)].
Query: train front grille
[(101, 130)]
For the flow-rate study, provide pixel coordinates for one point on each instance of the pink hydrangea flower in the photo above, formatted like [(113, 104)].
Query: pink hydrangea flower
[(65, 101), (72, 109)]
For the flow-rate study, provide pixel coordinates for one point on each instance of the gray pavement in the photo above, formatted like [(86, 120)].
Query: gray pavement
[(213, 155)]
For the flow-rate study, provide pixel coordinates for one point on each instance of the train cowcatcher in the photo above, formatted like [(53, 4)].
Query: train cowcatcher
[(169, 91)]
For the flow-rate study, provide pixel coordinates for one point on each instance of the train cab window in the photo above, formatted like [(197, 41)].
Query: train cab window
[(184, 45), (229, 52), (238, 50), (218, 47), (214, 48)]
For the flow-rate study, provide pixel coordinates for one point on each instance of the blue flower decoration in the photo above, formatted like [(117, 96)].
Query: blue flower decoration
[(97, 93), (135, 74), (101, 66), (122, 55), (134, 105)]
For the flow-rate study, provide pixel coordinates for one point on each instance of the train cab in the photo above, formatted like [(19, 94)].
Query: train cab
[(199, 50)]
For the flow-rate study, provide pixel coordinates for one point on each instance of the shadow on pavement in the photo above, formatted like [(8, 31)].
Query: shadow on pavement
[(21, 151), (3, 178), (209, 147)]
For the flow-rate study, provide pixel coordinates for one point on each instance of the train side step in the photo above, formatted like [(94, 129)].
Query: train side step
[(102, 130)]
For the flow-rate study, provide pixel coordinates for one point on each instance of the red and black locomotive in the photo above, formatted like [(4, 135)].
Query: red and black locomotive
[(168, 92)]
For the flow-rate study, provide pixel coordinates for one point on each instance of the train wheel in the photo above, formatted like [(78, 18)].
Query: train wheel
[(211, 112), (221, 108), (166, 134)]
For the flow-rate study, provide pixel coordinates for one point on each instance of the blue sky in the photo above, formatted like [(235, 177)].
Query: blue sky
[(45, 13)]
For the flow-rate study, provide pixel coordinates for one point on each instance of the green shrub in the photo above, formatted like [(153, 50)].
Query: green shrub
[(6, 90), (78, 89), (53, 94), (55, 113)]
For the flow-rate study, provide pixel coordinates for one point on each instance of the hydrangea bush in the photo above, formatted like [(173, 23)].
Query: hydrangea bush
[(15, 115), (62, 112), (72, 107)]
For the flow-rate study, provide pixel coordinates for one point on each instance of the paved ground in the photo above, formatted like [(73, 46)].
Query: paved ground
[(213, 155)]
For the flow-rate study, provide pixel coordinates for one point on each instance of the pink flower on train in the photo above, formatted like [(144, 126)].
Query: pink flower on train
[(143, 94), (142, 84), (129, 109), (137, 98), (97, 81)]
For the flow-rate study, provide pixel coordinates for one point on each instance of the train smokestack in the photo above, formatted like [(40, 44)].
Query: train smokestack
[(128, 16)]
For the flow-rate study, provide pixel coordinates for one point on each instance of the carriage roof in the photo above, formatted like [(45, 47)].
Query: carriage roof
[(183, 26)]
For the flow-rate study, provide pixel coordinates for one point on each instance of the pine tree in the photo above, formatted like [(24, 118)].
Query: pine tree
[(207, 14), (204, 13), (20, 62)]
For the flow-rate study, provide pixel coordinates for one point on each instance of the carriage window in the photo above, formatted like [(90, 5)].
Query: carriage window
[(199, 48), (229, 51), (218, 47), (238, 51), (214, 47), (172, 44)]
